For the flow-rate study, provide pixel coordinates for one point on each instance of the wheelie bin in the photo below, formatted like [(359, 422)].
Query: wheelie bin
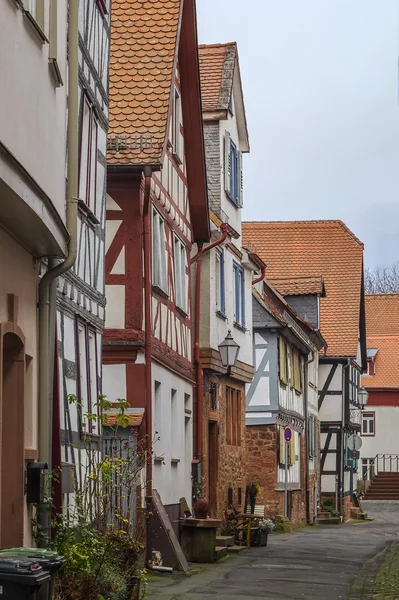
[(22, 579), (48, 560)]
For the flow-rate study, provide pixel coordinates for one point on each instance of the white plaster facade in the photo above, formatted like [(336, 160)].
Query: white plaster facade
[(383, 441)]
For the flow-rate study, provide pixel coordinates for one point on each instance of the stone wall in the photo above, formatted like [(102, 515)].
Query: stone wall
[(262, 449), (231, 460)]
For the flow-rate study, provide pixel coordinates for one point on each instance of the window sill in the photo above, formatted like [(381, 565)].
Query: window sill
[(240, 327), (158, 459), (55, 70), (86, 212), (221, 315), (160, 291), (36, 27), (233, 202), (181, 311), (178, 161), (174, 461)]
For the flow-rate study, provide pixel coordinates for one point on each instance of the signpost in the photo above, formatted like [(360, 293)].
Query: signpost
[(353, 444), (287, 438)]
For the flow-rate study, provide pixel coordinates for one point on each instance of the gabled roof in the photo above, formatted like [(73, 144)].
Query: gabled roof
[(386, 362), (298, 286), (326, 249), (220, 80), (382, 314)]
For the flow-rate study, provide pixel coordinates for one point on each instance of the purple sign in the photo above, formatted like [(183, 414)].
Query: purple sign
[(287, 434)]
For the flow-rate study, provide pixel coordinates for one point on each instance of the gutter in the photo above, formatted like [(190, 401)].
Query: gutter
[(197, 356), (46, 307), (148, 349), (309, 521)]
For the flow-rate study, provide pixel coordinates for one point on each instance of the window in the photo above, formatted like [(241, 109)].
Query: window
[(159, 271), (239, 295), (368, 468), (35, 10), (312, 436), (297, 371), (354, 384), (176, 124), (180, 275), (219, 277), (88, 154), (370, 367), (291, 456), (233, 417), (87, 387), (284, 370), (368, 423), (233, 180)]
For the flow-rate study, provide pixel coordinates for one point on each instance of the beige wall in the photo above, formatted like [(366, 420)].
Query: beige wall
[(33, 110), (18, 276)]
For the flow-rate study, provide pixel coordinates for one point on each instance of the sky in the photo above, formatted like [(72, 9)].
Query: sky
[(320, 82)]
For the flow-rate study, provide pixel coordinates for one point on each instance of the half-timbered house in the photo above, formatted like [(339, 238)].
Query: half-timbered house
[(80, 292), (225, 283), (285, 350), (330, 250), (156, 209)]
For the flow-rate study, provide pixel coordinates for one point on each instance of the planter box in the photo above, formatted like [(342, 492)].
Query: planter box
[(258, 537)]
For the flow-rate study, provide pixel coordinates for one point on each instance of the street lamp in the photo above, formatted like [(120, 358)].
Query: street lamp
[(363, 397), (228, 351)]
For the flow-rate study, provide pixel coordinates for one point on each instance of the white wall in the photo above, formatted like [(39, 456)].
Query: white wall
[(37, 138), (331, 408), (385, 440), (171, 396)]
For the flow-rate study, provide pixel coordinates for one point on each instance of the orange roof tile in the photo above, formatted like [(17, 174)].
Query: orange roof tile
[(135, 418), (143, 54), (289, 286), (217, 63), (386, 362), (382, 314), (325, 249)]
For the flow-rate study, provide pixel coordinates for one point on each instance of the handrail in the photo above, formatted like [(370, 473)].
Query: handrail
[(381, 460)]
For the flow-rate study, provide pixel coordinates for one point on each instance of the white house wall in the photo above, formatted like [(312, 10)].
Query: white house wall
[(331, 408), (385, 440), (171, 397)]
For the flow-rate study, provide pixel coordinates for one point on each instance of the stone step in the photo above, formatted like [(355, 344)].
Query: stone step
[(221, 552), (236, 549), (329, 520), (225, 540)]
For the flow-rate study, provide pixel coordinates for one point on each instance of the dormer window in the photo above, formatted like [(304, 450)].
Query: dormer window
[(233, 179), (371, 356)]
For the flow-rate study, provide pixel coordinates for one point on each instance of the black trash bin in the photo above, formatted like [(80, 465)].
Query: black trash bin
[(22, 579), (48, 560)]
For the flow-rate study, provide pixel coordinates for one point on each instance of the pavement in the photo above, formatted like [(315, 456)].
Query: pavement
[(327, 562)]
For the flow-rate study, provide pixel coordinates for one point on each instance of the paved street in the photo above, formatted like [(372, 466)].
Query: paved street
[(313, 563)]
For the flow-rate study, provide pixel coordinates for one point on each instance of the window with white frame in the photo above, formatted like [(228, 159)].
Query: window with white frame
[(180, 274), (368, 468), (312, 436), (176, 124), (354, 384), (219, 281), (239, 295), (233, 178), (159, 265), (87, 388), (368, 423), (88, 154)]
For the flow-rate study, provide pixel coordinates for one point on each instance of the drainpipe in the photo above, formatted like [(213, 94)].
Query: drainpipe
[(45, 306), (261, 276), (345, 398), (197, 356), (309, 521), (148, 348)]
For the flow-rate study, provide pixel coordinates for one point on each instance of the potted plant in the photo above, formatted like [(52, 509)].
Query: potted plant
[(266, 526), (201, 509)]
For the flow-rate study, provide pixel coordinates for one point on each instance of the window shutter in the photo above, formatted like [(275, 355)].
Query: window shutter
[(227, 162), (282, 445), (240, 180), (291, 446), (282, 362), (289, 378)]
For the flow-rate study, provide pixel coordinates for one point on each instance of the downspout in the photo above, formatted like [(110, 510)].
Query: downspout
[(309, 521), (345, 399), (148, 350), (197, 353), (261, 276), (45, 360)]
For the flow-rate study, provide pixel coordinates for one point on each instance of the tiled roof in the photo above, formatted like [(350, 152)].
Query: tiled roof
[(135, 418), (217, 63), (297, 286), (386, 362), (325, 249), (382, 314), (143, 51)]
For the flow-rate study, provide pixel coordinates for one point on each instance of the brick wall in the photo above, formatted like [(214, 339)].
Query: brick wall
[(231, 463), (262, 449)]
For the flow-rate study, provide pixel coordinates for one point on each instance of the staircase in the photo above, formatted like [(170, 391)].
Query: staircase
[(324, 517), (384, 486)]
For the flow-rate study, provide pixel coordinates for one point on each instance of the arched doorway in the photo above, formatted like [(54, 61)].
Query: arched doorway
[(12, 355)]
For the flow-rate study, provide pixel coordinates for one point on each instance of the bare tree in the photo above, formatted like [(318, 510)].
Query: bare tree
[(382, 279)]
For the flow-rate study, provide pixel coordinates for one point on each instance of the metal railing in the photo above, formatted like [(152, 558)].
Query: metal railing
[(381, 463)]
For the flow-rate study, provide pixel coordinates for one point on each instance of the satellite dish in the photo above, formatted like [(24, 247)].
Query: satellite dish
[(354, 442)]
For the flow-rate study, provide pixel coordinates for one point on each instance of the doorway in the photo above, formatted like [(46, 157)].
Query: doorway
[(12, 441), (213, 459)]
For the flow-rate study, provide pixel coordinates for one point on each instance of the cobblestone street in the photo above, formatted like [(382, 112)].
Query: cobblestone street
[(352, 561)]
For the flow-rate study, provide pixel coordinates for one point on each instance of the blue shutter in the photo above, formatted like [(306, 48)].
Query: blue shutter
[(242, 298)]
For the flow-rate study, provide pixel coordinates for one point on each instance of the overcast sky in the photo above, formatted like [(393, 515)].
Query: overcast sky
[(320, 80)]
